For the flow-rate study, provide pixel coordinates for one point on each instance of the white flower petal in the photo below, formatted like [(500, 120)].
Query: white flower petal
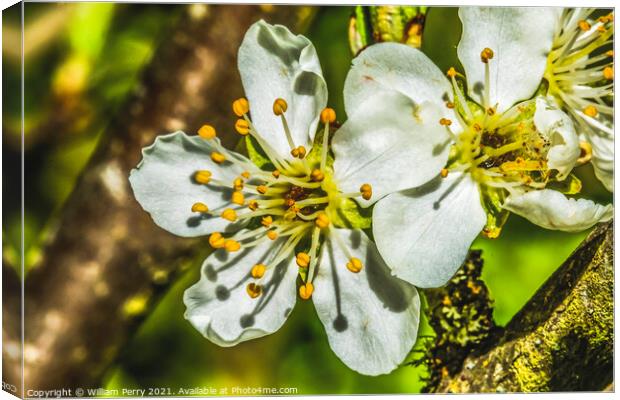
[(164, 186), (552, 210), (558, 128), (370, 317), (603, 156), (424, 233), (219, 307), (273, 64), (391, 144), (399, 67), (520, 38)]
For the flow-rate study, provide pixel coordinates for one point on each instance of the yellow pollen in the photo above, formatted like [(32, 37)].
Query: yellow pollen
[(273, 235), (207, 132), (586, 153), (267, 221), (444, 172), (451, 72), (253, 205), (609, 53), (202, 177), (218, 157), (601, 28), (354, 265), (322, 221), (241, 107), (299, 152), (254, 290), (289, 202), (262, 189), (245, 174), (216, 240), (303, 259), (242, 127), (279, 106), (328, 115), (231, 245), (445, 122), (238, 184), (238, 198), (486, 54), (366, 191), (584, 25), (200, 207), (229, 214), (608, 73), (317, 175), (258, 271), (590, 111), (276, 174), (305, 290), (449, 104)]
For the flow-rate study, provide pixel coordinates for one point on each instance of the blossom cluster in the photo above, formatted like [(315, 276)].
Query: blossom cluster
[(355, 216)]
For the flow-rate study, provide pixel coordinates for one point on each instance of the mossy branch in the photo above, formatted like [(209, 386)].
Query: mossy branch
[(561, 340)]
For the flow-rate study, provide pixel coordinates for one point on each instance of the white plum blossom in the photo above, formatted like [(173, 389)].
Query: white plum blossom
[(580, 78), (507, 150), (284, 222)]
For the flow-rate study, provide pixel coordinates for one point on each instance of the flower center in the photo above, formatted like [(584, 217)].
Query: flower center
[(502, 152), (296, 199), (580, 67)]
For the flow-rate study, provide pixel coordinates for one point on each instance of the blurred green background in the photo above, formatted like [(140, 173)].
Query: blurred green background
[(82, 60)]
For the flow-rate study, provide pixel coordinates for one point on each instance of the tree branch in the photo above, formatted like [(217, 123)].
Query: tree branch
[(561, 340), (108, 262)]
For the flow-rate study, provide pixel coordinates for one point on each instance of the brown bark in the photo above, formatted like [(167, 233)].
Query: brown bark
[(107, 262), (562, 340)]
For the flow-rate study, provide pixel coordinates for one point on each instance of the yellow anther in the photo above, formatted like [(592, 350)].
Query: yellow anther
[(366, 191), (289, 202), (609, 53), (299, 152), (449, 104), (266, 221), (218, 157), (238, 198), (254, 290), (444, 172), (586, 153), (229, 214), (262, 189), (584, 25), (202, 177), (305, 290), (238, 184), (241, 107), (328, 115), (216, 240), (231, 245), (354, 265), (590, 111), (273, 235), (322, 221), (486, 54), (490, 111), (477, 127), (242, 127), (317, 175), (445, 122), (279, 106), (601, 28), (276, 174), (258, 271), (451, 72), (200, 207), (608, 73), (303, 259), (245, 174), (253, 205), (207, 132)]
